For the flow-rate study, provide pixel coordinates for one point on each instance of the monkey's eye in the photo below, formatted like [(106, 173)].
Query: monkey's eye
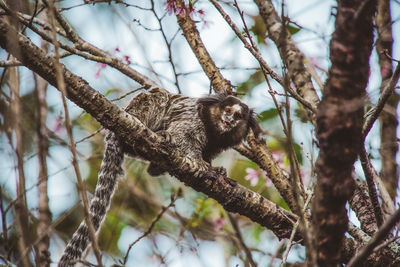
[(228, 110)]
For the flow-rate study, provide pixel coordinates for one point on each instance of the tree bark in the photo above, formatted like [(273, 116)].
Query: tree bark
[(388, 120), (339, 125)]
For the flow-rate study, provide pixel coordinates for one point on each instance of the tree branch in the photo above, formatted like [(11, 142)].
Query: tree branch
[(289, 52), (359, 258), (339, 127), (219, 83), (233, 197), (373, 114)]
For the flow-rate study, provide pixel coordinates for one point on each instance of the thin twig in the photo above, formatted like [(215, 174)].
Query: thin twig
[(377, 109), (80, 45), (292, 235), (369, 177), (42, 144), (148, 231), (168, 44), (128, 93), (253, 49), (4, 222), (61, 85), (21, 209), (242, 243)]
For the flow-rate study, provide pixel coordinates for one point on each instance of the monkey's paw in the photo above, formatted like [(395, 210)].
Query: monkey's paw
[(216, 173), (220, 173), (220, 170), (166, 135)]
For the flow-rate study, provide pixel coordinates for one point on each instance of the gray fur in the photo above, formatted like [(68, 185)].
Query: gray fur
[(194, 125)]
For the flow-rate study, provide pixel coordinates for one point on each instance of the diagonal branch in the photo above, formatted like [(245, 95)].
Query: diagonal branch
[(289, 52), (188, 26), (94, 53), (233, 197), (377, 109), (253, 49)]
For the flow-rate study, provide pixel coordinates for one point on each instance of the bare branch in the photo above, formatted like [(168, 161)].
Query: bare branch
[(289, 51), (369, 172), (42, 144), (339, 127), (188, 26), (148, 231), (377, 109), (61, 85), (240, 238)]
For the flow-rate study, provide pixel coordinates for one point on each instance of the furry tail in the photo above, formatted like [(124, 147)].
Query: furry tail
[(110, 170)]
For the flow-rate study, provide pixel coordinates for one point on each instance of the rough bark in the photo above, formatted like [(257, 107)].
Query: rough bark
[(388, 119), (362, 206), (290, 53), (188, 26), (339, 125), (44, 219), (21, 209)]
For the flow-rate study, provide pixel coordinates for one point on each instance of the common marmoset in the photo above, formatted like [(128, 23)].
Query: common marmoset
[(199, 127)]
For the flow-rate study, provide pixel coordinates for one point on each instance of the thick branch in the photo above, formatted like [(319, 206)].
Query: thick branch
[(362, 206), (339, 125), (44, 218), (289, 52), (388, 121), (231, 196), (188, 26)]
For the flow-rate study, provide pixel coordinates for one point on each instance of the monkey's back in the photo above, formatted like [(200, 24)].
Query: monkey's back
[(173, 113)]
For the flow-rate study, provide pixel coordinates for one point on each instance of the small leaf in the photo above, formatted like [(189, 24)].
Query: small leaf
[(255, 79), (268, 114), (292, 29)]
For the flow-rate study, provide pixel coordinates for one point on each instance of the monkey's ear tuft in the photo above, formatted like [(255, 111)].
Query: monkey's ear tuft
[(211, 99), (254, 125)]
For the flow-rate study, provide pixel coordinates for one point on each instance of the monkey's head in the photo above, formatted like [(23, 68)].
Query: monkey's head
[(227, 116)]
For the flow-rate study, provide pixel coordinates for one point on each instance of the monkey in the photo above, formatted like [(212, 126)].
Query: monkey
[(200, 128)]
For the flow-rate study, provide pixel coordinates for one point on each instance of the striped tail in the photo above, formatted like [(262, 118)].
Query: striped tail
[(110, 170)]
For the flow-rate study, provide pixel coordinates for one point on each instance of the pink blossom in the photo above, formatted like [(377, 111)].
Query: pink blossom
[(219, 223), (278, 157), (201, 13), (181, 9), (305, 176), (117, 49), (101, 66), (170, 6), (127, 60), (57, 125), (266, 177), (252, 176), (206, 24)]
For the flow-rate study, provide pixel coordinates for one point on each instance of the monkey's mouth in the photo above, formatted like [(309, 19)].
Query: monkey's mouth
[(225, 125)]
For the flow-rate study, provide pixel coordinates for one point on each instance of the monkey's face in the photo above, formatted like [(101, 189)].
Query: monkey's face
[(233, 114), (227, 117), (230, 117)]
